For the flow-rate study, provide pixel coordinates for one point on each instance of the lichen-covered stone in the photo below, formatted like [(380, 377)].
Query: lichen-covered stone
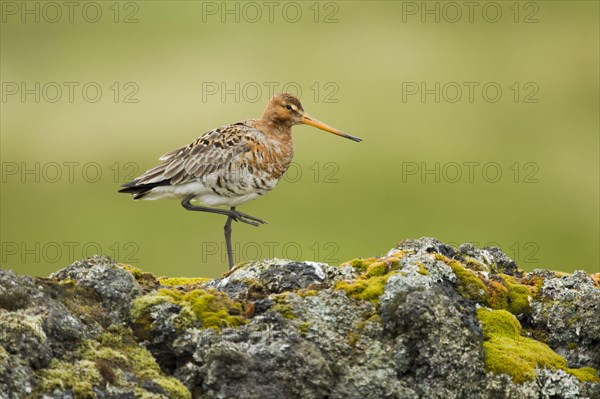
[(424, 320), (114, 286), (66, 337), (568, 313)]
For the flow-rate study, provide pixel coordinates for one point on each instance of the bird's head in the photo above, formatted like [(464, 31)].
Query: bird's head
[(285, 109)]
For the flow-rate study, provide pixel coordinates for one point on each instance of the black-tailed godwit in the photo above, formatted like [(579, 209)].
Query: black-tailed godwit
[(230, 165)]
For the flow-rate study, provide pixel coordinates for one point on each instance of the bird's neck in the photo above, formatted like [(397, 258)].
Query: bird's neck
[(279, 131)]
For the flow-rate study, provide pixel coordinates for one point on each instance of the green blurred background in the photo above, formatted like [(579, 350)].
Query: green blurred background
[(171, 70)]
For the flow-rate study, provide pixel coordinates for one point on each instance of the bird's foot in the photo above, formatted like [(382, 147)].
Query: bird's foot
[(245, 218)]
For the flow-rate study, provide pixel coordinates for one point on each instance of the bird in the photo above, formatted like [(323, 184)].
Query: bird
[(230, 165)]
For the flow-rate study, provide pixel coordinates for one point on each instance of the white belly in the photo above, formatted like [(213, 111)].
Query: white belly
[(203, 192)]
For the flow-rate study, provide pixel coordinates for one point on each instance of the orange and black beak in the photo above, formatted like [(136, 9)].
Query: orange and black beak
[(307, 120)]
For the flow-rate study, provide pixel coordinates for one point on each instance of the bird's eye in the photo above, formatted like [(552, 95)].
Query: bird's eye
[(289, 107)]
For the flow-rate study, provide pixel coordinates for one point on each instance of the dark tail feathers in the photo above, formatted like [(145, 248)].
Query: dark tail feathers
[(141, 190)]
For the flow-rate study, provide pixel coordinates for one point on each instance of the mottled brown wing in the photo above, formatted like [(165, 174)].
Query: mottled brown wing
[(211, 151)]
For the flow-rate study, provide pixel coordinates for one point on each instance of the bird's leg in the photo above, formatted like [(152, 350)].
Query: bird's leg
[(240, 215), (227, 229), (235, 215)]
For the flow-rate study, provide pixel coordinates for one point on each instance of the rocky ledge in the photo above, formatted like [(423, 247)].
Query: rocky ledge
[(424, 321)]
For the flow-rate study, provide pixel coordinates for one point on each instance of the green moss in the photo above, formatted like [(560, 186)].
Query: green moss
[(282, 306), (80, 377), (306, 293), (585, 374), (422, 269), (142, 277), (377, 269), (140, 313), (116, 352), (82, 302), (507, 352), (474, 264), (468, 285), (285, 310), (374, 273), (304, 327), (213, 308), (369, 289), (177, 281), (518, 296), (360, 265)]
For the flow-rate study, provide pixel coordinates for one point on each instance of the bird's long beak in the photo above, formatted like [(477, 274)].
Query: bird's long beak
[(307, 120)]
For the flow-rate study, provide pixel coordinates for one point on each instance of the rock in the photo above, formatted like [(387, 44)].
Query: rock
[(67, 337), (114, 286), (423, 321), (568, 313)]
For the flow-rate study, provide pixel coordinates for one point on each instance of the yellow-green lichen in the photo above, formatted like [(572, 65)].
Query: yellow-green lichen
[(116, 352), (360, 265), (286, 310), (507, 352), (307, 292), (469, 284), (377, 269), (304, 327), (178, 281), (422, 269), (387, 263), (141, 276), (474, 264), (213, 308), (506, 292), (369, 289), (80, 377), (518, 296), (585, 374), (282, 306), (140, 313), (374, 273)]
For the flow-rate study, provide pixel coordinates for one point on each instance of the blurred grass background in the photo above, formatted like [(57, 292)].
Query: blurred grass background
[(175, 49)]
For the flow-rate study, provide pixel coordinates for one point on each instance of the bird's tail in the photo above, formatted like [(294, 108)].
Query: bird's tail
[(139, 191)]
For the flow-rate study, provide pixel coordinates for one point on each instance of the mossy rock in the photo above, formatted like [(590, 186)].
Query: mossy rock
[(508, 352), (182, 281), (367, 289), (469, 285), (212, 308)]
